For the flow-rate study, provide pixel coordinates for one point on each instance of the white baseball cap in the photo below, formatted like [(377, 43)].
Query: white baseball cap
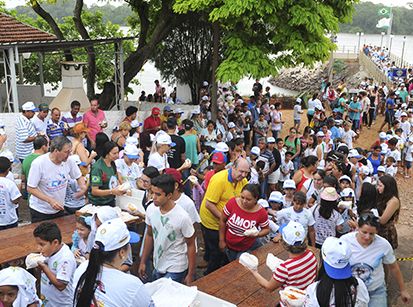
[(106, 213), (381, 168), (7, 154), (382, 135), (205, 83), (179, 111), (231, 125), (276, 197), (255, 151), (205, 98), (289, 184), (135, 123), (365, 170), (299, 100), (29, 106), (320, 134), (164, 139), (263, 203), (270, 140), (131, 151), (222, 147), (347, 192), (336, 258), (131, 141), (345, 177), (353, 153), (403, 114), (294, 233), (114, 234)]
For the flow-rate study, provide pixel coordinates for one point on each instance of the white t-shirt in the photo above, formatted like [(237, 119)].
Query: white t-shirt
[(169, 233), (367, 262), (297, 112), (189, 206), (128, 173), (8, 193), (362, 298), (117, 288), (276, 116), (391, 171), (409, 152), (63, 265), (304, 217), (325, 228), (52, 180), (406, 128), (39, 125), (395, 154), (348, 138), (286, 168), (158, 161)]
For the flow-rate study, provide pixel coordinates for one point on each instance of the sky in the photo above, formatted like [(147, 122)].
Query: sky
[(14, 3)]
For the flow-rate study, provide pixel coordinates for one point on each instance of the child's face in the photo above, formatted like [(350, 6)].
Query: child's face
[(280, 144), (287, 158), (380, 174), (47, 248), (389, 162), (275, 206), (297, 206), (344, 184), (82, 230), (289, 192), (8, 295)]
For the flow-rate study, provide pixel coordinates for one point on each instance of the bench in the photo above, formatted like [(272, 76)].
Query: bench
[(235, 284), (17, 243)]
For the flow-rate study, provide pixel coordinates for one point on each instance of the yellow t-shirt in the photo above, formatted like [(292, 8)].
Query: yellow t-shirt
[(220, 190)]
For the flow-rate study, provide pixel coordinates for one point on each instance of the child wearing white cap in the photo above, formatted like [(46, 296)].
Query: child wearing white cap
[(18, 288), (335, 285), (300, 269), (100, 281)]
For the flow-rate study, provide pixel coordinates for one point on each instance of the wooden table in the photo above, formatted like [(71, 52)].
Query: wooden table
[(17, 243), (235, 284)]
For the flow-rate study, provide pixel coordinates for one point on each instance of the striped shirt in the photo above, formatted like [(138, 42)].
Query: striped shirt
[(54, 130), (297, 272), (24, 130), (71, 121)]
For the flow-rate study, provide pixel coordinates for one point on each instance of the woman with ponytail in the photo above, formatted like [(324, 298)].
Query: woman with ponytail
[(99, 281), (335, 285)]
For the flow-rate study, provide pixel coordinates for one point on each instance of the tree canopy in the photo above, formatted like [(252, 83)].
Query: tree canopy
[(260, 36)]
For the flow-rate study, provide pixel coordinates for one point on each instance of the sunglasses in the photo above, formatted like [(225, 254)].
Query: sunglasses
[(369, 217)]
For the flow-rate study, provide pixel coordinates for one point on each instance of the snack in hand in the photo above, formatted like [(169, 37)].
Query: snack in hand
[(251, 232), (125, 186), (249, 261), (33, 259), (132, 207), (193, 179), (273, 262), (292, 296)]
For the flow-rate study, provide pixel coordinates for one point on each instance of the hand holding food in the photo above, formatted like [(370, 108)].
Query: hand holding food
[(33, 260), (252, 232), (249, 261)]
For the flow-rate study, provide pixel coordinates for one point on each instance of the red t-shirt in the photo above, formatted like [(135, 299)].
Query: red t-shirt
[(152, 123), (297, 272), (208, 177), (239, 221)]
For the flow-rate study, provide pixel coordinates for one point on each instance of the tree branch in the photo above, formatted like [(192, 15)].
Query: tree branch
[(91, 69), (53, 25)]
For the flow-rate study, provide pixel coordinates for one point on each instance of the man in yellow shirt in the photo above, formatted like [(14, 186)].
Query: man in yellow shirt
[(223, 186)]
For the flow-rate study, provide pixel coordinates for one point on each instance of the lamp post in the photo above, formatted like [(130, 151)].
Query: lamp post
[(404, 43), (381, 41), (391, 41), (359, 34)]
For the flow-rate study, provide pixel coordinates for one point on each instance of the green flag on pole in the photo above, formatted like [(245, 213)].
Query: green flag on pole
[(385, 12)]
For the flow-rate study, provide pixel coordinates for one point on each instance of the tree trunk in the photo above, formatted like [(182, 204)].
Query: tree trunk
[(215, 62), (91, 57), (52, 23)]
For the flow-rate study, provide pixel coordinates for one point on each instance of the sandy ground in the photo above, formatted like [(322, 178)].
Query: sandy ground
[(404, 227)]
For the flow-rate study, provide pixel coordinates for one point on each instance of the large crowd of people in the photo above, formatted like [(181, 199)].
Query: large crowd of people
[(233, 176)]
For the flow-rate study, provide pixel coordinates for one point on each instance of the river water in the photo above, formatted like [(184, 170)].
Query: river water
[(149, 73)]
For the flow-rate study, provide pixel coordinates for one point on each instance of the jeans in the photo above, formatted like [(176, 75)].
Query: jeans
[(178, 277), (38, 216), (215, 257), (264, 188), (378, 297), (234, 255), (355, 125), (371, 116)]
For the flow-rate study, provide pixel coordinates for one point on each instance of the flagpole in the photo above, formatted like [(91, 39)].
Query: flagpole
[(390, 26)]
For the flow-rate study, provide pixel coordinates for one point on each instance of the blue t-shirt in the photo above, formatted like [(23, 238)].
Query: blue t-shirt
[(390, 103), (357, 106), (335, 133)]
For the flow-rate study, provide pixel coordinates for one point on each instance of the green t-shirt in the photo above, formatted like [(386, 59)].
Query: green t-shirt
[(191, 151), (105, 178), (27, 163), (292, 146)]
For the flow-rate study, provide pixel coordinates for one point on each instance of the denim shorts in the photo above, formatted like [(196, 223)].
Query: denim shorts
[(378, 297), (178, 277), (408, 164)]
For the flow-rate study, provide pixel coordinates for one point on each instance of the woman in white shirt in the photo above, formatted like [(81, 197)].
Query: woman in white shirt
[(311, 149), (370, 254), (100, 280), (211, 136), (158, 157), (335, 285)]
